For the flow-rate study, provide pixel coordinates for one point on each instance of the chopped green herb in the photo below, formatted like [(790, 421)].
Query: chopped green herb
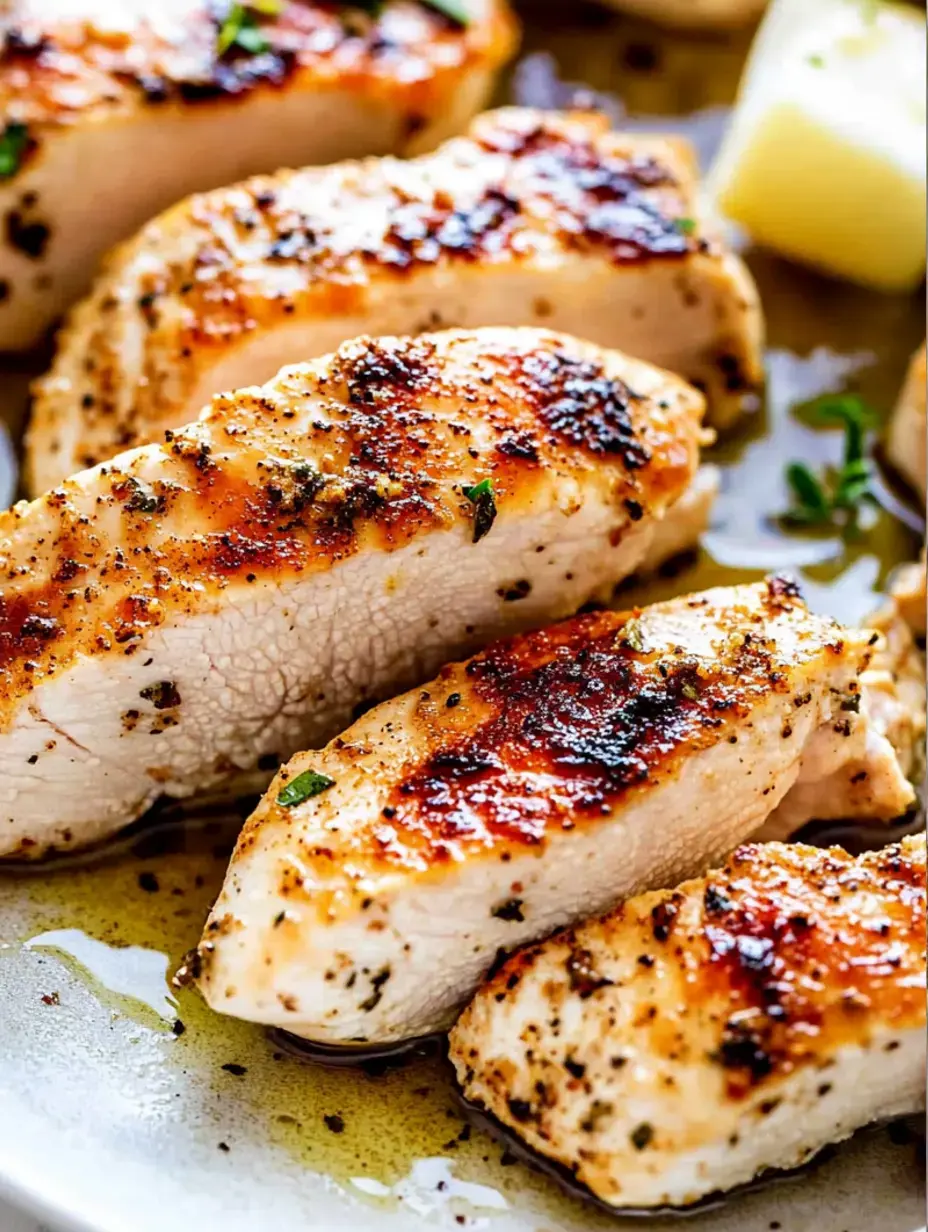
[(686, 225), (633, 635), (13, 143), (690, 691), (304, 787), (454, 10), (811, 502), (836, 495), (816, 60), (483, 499), (240, 27)]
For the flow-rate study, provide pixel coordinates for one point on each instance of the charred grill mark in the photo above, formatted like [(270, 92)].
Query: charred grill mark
[(397, 432), (795, 961), (578, 402), (58, 71), (555, 183), (599, 199), (422, 233), (580, 707)]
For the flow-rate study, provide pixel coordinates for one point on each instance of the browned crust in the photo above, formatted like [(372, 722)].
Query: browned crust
[(594, 713), (565, 185), (549, 731), (54, 73), (256, 494), (787, 961)]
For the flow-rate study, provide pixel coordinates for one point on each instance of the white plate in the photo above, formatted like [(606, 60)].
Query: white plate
[(111, 1123)]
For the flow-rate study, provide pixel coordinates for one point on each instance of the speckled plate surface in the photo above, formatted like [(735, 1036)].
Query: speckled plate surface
[(125, 1107)]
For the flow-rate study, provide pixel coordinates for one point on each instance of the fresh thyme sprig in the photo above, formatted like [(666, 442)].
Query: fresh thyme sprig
[(835, 495)]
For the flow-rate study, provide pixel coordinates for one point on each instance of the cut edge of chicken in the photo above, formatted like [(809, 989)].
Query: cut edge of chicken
[(145, 551), (704, 1096), (323, 898), (119, 103)]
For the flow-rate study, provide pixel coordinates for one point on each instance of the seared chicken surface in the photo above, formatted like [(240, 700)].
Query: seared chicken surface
[(694, 14), (907, 442), (533, 218), (529, 787), (195, 607), (860, 778), (697, 1036), (111, 110), (907, 592)]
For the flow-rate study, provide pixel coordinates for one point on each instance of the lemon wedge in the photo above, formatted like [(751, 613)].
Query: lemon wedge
[(824, 160)]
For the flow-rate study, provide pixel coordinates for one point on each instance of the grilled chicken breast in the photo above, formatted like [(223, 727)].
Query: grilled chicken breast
[(192, 608), (696, 1037), (907, 592), (694, 14), (537, 783), (134, 104), (907, 442), (859, 777), (533, 218)]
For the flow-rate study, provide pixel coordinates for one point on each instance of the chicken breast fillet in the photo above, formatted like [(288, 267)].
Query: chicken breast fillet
[(136, 104), (533, 218), (190, 609), (696, 1037), (540, 782), (907, 442), (845, 779), (694, 14)]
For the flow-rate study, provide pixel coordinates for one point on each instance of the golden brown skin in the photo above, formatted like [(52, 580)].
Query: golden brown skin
[(225, 283), (739, 1021), (113, 110), (245, 499), (537, 783), (58, 72)]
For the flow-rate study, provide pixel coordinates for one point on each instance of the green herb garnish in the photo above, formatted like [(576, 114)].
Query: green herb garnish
[(816, 60), (837, 494), (304, 787), (454, 10), (240, 27), (633, 635), (690, 691), (483, 499), (686, 226), (13, 143)]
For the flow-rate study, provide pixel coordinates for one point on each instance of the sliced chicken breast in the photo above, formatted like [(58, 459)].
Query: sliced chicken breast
[(694, 14), (537, 783), (111, 110), (907, 442), (907, 592), (696, 1037), (845, 779), (193, 608), (533, 218)]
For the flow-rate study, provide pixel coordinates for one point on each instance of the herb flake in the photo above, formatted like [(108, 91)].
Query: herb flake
[(303, 787), (483, 498), (634, 635), (686, 226), (13, 143), (835, 495), (455, 10), (240, 27)]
